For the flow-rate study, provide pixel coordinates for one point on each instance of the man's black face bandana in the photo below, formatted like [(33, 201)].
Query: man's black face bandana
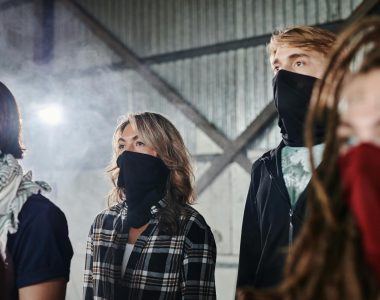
[(292, 93)]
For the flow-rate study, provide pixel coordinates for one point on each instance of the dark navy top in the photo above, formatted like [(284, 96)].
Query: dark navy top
[(40, 249)]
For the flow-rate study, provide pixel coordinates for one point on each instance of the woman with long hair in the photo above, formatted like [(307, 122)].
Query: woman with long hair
[(337, 254), (150, 243)]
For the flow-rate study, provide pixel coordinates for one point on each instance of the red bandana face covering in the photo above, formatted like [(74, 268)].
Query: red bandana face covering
[(360, 169)]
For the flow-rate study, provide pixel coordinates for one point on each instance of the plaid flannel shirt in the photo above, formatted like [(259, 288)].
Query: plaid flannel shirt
[(160, 267)]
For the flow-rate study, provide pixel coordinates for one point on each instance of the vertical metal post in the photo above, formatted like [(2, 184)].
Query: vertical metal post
[(44, 31)]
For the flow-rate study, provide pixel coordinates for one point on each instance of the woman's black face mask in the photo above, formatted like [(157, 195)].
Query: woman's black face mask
[(292, 93), (143, 178)]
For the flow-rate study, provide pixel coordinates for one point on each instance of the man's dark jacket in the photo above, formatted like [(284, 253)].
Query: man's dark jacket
[(269, 223)]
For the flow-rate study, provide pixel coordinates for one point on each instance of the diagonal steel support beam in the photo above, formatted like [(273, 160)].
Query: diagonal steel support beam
[(167, 91), (251, 132), (365, 8)]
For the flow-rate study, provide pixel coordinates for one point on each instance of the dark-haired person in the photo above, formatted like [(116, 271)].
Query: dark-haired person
[(337, 254), (150, 244), (275, 204), (34, 240)]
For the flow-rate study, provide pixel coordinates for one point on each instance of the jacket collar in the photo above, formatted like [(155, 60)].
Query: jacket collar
[(273, 165), (272, 161)]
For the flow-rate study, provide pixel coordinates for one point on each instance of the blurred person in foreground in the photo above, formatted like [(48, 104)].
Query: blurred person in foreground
[(34, 241), (150, 243), (337, 254)]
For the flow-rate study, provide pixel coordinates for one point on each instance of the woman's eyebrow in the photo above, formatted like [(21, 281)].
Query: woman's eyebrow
[(123, 140)]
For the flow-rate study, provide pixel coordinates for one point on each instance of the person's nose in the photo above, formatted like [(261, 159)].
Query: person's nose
[(129, 147), (286, 67)]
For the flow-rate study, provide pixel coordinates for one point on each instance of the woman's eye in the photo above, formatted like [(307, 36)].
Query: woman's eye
[(140, 144), (121, 147), (299, 63)]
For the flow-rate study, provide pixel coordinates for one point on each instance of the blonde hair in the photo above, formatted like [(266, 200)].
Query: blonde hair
[(160, 134), (304, 37)]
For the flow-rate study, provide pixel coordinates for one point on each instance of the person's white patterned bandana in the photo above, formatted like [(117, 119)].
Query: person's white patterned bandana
[(15, 189)]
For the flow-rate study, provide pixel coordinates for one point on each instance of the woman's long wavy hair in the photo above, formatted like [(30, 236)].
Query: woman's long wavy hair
[(159, 133), (327, 261)]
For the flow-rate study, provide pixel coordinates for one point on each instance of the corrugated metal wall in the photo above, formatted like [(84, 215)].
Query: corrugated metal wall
[(229, 88), (160, 26)]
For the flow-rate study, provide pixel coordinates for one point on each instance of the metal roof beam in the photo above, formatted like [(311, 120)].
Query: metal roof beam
[(13, 3), (223, 47)]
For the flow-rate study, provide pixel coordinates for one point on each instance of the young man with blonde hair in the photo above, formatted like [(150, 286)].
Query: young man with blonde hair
[(276, 198)]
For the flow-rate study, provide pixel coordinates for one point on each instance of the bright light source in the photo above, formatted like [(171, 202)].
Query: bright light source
[(51, 115)]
